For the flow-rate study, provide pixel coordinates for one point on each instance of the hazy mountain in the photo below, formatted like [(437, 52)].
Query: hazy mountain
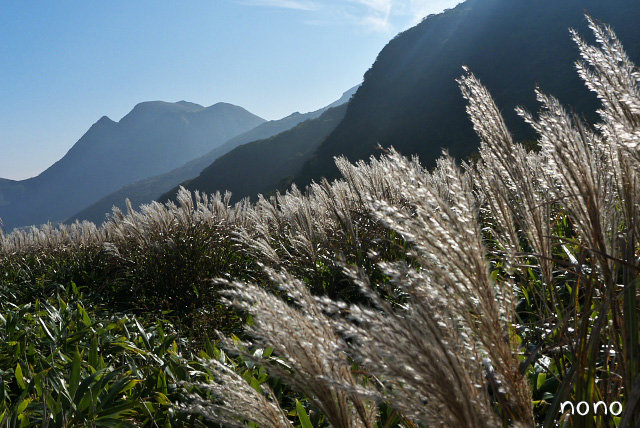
[(153, 138), (266, 165), (149, 189), (409, 98)]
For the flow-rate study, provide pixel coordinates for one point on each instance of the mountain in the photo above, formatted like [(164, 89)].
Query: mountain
[(265, 165), (149, 189), (155, 137), (409, 97)]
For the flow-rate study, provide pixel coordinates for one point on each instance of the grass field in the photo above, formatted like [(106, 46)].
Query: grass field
[(486, 293)]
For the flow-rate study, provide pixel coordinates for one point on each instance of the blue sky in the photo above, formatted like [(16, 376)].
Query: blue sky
[(67, 63)]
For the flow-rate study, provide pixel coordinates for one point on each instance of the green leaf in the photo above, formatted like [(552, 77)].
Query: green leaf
[(24, 421), (255, 384), (86, 320), (119, 388), (302, 415), (162, 399), (145, 339), (20, 377), (542, 378), (46, 330), (84, 385), (93, 353), (117, 411), (208, 347), (74, 380), (23, 405)]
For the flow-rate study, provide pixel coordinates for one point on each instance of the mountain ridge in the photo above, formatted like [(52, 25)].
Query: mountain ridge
[(154, 137), (264, 166), (146, 190), (409, 97)]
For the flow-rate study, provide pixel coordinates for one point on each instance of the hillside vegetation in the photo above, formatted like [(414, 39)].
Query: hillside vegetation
[(477, 295)]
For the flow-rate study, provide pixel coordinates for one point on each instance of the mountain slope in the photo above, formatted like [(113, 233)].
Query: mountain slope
[(149, 189), (409, 98), (266, 165), (153, 138)]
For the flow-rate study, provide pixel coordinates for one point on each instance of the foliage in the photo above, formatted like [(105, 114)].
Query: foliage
[(523, 283), (481, 294), (62, 366)]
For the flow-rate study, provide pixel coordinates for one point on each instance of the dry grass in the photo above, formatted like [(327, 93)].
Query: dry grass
[(513, 286)]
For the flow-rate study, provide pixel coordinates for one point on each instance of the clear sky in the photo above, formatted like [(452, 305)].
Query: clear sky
[(64, 64)]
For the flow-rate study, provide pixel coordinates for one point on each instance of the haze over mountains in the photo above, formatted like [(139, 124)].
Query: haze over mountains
[(153, 138), (149, 189), (264, 166), (409, 99)]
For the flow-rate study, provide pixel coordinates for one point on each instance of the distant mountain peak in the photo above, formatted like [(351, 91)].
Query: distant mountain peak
[(223, 106), (103, 120), (346, 96), (103, 123), (144, 191), (189, 104), (155, 137), (154, 108)]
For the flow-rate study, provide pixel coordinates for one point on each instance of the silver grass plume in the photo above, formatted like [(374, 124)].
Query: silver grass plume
[(608, 72), (512, 182), (308, 349), (453, 302), (429, 368), (235, 401), (578, 165)]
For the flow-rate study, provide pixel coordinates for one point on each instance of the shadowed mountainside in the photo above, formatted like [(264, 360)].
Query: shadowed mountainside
[(261, 167), (410, 99)]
